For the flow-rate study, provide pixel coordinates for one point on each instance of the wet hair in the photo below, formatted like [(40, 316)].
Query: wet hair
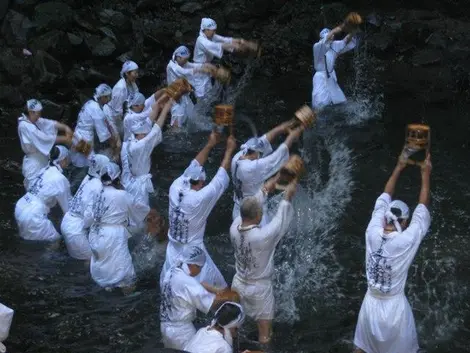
[(250, 208), (227, 314), (105, 178), (194, 182), (53, 155)]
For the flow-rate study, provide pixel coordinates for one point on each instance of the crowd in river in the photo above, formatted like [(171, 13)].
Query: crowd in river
[(112, 145)]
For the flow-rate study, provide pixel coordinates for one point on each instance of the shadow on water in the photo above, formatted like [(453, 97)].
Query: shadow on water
[(319, 277)]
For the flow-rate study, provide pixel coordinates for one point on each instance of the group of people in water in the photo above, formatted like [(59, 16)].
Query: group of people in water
[(115, 135)]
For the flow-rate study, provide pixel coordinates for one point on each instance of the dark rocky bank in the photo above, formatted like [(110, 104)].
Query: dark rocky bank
[(78, 44)]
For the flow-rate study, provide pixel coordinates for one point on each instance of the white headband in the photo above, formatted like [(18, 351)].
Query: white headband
[(140, 126), (138, 99), (208, 23), (98, 163), (195, 172), (237, 322), (113, 170), (324, 33), (34, 105), (102, 90), (390, 217), (255, 144), (182, 52), (128, 66), (63, 153)]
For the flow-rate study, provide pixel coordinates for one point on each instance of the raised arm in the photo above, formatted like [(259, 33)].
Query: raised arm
[(392, 181), (424, 194), (203, 155), (278, 130), (231, 146), (164, 113)]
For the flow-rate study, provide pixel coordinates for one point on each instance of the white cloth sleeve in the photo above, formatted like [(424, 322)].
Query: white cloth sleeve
[(211, 193), (40, 140), (198, 296), (99, 122), (420, 222), (377, 222), (280, 223), (119, 96), (221, 39), (149, 102), (193, 65), (47, 125), (63, 195), (142, 149), (212, 47), (268, 148), (270, 165), (340, 46), (137, 210)]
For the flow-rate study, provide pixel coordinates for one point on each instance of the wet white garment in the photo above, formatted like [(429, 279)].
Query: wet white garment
[(208, 340), (91, 121), (188, 213), (386, 323), (72, 227), (6, 317), (132, 116), (136, 163), (249, 175), (122, 92), (326, 90), (204, 51), (254, 260), (181, 296), (108, 216), (37, 140), (182, 110), (48, 189)]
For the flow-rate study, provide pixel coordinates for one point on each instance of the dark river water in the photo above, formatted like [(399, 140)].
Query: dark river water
[(320, 279)]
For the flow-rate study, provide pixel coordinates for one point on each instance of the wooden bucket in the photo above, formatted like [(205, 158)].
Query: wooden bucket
[(252, 47), (178, 88), (293, 169), (352, 21), (305, 116), (83, 147), (223, 115), (222, 75), (417, 143)]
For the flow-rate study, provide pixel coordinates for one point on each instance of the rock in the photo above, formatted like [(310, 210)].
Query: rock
[(437, 40), (426, 57), (241, 26), (53, 15), (10, 95), (91, 40), (83, 23), (191, 7), (53, 110), (115, 19), (55, 42), (4, 8), (381, 41), (46, 68), (75, 39), (374, 19), (104, 48), (15, 64), (108, 32), (15, 28)]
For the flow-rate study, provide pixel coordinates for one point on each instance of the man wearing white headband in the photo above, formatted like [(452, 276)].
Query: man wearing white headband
[(254, 246), (326, 90), (72, 226), (37, 137), (386, 323), (123, 92), (107, 216), (182, 295), (93, 123), (208, 45), (191, 204), (256, 162), (218, 336), (180, 67), (136, 155), (49, 188)]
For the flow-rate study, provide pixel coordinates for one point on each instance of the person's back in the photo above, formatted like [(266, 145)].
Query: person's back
[(208, 340)]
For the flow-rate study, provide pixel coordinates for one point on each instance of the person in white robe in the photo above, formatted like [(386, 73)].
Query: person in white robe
[(123, 92), (386, 323), (108, 215), (210, 45), (180, 67), (139, 109), (49, 188), (136, 155), (326, 90), (6, 317), (254, 246), (37, 137), (256, 162), (182, 295), (92, 123), (218, 336), (191, 204), (72, 227)]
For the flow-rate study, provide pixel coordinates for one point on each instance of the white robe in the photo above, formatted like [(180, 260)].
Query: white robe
[(249, 176), (254, 260), (204, 51), (326, 90), (122, 92), (36, 141), (48, 189), (208, 340), (72, 227), (132, 116), (136, 163), (6, 317), (188, 213), (91, 121), (182, 110), (108, 216), (386, 323), (181, 296)]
